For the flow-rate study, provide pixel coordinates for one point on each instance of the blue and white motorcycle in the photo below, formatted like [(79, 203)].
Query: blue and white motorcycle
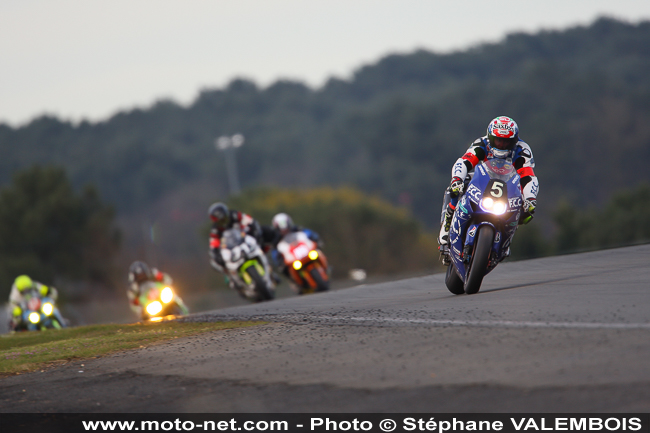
[(484, 222)]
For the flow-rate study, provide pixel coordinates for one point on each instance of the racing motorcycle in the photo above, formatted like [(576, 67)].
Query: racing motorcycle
[(484, 222), (305, 262), (39, 313), (246, 266), (159, 300)]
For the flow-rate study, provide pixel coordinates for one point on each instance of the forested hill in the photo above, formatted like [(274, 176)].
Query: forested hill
[(581, 98)]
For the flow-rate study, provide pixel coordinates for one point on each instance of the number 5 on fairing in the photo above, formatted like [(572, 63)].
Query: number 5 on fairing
[(496, 190)]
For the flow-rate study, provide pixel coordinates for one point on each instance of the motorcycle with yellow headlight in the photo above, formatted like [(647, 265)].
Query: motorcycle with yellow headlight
[(38, 313), (305, 262), (158, 300)]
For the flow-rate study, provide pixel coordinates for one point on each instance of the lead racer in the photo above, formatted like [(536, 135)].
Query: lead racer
[(501, 141)]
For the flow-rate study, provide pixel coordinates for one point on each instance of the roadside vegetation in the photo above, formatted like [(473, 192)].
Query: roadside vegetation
[(359, 231), (30, 351)]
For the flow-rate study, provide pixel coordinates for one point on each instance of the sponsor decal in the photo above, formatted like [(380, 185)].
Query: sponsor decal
[(456, 251), (474, 193), (472, 232), (455, 225), (505, 125), (514, 203), (458, 168), (502, 170), (480, 167), (497, 238)]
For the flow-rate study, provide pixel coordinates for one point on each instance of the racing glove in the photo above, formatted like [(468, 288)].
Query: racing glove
[(529, 209), (456, 186)]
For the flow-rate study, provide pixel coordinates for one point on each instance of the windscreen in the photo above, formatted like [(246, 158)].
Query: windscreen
[(501, 169), (291, 238), (232, 238)]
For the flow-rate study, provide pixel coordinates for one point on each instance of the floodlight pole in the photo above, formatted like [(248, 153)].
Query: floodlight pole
[(228, 145)]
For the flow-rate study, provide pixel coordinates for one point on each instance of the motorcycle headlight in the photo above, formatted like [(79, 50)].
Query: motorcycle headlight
[(313, 254), (47, 308), (34, 318), (167, 295), (154, 308), (495, 207), (297, 265)]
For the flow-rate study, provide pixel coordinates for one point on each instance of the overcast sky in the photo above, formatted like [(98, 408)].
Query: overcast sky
[(91, 58)]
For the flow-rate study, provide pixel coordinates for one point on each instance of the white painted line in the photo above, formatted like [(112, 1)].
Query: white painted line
[(494, 323)]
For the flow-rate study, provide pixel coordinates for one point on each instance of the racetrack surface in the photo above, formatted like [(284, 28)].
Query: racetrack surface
[(559, 334)]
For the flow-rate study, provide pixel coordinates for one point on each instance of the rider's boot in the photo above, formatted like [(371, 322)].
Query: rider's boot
[(443, 237), (505, 255)]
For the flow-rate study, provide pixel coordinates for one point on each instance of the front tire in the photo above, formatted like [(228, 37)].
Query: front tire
[(453, 281), (480, 258), (321, 284), (261, 287)]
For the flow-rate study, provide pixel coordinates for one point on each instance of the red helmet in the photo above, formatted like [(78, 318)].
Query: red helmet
[(503, 135)]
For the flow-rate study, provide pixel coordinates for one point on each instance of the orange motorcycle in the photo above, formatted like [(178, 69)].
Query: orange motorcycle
[(305, 262)]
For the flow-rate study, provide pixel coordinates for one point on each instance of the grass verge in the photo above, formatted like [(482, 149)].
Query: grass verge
[(29, 351)]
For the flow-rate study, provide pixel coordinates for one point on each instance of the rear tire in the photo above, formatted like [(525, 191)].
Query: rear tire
[(261, 287), (480, 258), (321, 284), (453, 281)]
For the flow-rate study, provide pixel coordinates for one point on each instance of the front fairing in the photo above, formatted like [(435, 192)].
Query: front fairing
[(495, 179)]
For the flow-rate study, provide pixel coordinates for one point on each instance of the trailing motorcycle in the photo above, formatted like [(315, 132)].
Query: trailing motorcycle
[(305, 262), (483, 225), (39, 313), (246, 266), (159, 300)]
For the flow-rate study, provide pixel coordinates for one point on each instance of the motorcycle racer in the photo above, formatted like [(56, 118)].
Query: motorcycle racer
[(224, 219), (140, 273), (22, 284), (282, 225), (501, 141), (140, 278)]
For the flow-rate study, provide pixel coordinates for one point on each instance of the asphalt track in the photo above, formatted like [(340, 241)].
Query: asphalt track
[(560, 334)]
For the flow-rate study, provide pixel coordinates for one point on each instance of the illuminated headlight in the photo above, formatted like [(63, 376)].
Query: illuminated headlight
[(313, 254), (47, 308), (167, 295), (34, 318), (297, 265), (154, 308), (496, 208)]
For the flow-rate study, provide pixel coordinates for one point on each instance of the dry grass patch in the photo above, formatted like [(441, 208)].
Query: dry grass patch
[(30, 351)]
